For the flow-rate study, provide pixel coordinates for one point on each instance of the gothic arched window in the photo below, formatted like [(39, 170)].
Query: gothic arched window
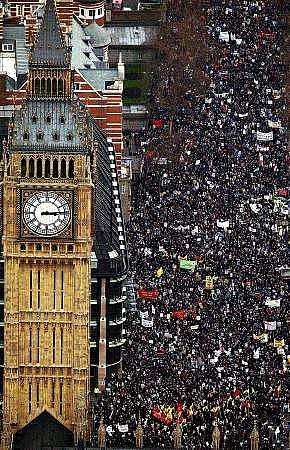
[(55, 168), (60, 87), (37, 86), (43, 90), (48, 87), (54, 86), (63, 168), (47, 168), (23, 167), (31, 168), (39, 168), (71, 168)]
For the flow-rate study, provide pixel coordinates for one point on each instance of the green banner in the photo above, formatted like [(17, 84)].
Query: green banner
[(187, 264)]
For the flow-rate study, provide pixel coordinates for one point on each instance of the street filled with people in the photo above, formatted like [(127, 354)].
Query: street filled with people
[(207, 344)]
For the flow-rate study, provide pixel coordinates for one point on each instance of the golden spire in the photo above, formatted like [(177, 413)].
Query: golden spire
[(101, 435), (177, 435), (254, 437), (216, 436), (139, 435)]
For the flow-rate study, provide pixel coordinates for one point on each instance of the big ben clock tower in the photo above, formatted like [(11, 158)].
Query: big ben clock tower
[(54, 197)]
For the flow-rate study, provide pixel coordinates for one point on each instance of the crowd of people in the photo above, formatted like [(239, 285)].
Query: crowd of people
[(207, 240)]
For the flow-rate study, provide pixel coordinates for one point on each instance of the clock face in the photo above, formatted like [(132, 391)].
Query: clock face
[(47, 213)]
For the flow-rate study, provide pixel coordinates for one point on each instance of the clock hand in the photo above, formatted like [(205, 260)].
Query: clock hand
[(49, 213)]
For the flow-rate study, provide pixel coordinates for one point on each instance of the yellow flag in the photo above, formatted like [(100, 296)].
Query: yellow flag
[(279, 342), (159, 272), (209, 282)]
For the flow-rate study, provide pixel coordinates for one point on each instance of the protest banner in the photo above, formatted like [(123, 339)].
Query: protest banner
[(148, 323), (187, 264), (150, 294), (224, 36), (261, 136), (272, 303), (271, 326)]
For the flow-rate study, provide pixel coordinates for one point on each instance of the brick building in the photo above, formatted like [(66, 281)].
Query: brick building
[(96, 84)]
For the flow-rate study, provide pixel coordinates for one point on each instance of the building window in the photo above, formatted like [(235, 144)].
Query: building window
[(69, 136), (30, 345), (55, 168), (23, 167), (92, 13), (54, 248), (31, 168), (29, 398), (63, 168), (47, 168), (39, 168), (22, 247), (100, 12), (19, 10), (61, 345), (38, 289), (55, 136), (38, 246), (37, 346), (30, 289), (82, 12), (54, 289), (25, 136), (62, 119), (39, 136), (62, 291), (34, 119), (37, 394), (48, 119), (71, 168), (70, 248), (77, 86), (53, 346), (7, 47), (60, 398), (52, 394)]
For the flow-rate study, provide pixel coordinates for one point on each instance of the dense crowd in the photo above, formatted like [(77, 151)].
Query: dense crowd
[(207, 241)]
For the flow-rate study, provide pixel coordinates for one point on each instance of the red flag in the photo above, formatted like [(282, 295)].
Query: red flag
[(179, 407), (245, 404), (180, 314), (237, 393), (150, 294), (149, 155), (283, 192), (158, 123)]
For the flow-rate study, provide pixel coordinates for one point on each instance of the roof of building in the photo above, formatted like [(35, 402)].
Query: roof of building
[(17, 33), (85, 53), (99, 36), (132, 35), (100, 79), (49, 124), (50, 48)]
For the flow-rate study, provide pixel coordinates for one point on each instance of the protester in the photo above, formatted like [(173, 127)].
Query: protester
[(207, 242)]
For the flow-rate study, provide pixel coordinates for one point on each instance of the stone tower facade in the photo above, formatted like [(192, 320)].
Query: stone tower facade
[(47, 242), (61, 211)]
